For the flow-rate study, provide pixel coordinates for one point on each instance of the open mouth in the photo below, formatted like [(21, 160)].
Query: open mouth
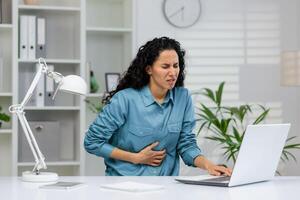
[(171, 81)]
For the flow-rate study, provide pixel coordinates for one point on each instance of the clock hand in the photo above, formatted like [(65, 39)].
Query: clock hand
[(177, 11)]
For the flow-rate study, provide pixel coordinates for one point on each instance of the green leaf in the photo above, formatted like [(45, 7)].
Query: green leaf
[(292, 156), (261, 117), (219, 93), (285, 156), (209, 93), (290, 138), (237, 135), (224, 125), (4, 117), (218, 139), (292, 146), (210, 115), (201, 127)]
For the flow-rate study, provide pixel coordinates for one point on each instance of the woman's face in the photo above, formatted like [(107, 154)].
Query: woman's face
[(164, 71)]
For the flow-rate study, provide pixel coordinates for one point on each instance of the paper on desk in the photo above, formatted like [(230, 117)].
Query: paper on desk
[(133, 187)]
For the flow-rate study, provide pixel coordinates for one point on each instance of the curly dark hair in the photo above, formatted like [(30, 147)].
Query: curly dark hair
[(136, 76)]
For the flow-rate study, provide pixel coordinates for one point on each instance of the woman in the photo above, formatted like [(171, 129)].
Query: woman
[(148, 120)]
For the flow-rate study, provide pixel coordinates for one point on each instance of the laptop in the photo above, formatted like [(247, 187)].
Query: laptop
[(257, 160)]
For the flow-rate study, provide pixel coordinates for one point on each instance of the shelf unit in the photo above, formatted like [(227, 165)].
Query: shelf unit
[(77, 32), (5, 26), (48, 8), (6, 91), (109, 34), (63, 40), (53, 61), (5, 131), (5, 94)]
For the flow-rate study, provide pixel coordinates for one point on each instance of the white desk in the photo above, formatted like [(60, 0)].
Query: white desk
[(287, 188)]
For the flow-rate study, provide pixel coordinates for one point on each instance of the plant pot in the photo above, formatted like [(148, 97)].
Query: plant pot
[(31, 2)]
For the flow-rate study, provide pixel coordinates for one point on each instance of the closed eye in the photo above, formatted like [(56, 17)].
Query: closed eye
[(165, 66)]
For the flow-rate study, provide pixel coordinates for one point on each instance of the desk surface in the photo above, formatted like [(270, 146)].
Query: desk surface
[(277, 189)]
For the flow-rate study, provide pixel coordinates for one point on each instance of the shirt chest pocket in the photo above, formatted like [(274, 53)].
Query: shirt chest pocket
[(174, 128), (141, 131)]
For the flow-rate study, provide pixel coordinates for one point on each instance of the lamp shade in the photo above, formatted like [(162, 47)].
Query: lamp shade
[(73, 84)]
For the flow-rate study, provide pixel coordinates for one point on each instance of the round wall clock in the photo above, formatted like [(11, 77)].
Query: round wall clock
[(182, 13)]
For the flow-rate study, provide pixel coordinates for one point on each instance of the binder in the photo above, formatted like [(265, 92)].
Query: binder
[(49, 88), (31, 37), (40, 89), (87, 75), (1, 12), (41, 38), (6, 12), (23, 48)]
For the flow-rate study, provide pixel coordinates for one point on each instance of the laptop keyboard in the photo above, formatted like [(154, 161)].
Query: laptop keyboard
[(219, 179)]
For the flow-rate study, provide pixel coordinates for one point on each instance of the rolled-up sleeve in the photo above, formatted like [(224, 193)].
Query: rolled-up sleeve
[(187, 144), (106, 124)]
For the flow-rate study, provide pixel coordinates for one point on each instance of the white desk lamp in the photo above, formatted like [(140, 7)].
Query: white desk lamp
[(71, 84)]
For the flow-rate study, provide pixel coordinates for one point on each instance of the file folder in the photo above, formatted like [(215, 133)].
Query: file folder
[(1, 12), (40, 90), (23, 48), (49, 88), (6, 11), (41, 38), (31, 37)]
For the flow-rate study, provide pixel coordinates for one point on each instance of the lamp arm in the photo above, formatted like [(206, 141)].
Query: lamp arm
[(38, 156), (42, 69), (19, 110)]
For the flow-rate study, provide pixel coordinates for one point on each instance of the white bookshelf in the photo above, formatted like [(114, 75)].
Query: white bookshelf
[(6, 91), (5, 131), (63, 39), (107, 29), (77, 31), (74, 108), (5, 26), (49, 8), (5, 94), (62, 61), (91, 95)]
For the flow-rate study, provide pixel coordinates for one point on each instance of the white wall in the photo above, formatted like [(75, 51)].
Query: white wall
[(255, 78)]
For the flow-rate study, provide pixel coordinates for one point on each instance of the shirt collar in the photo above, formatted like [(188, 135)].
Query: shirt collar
[(148, 98)]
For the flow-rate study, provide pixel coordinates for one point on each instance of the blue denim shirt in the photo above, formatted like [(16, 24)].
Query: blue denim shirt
[(134, 120)]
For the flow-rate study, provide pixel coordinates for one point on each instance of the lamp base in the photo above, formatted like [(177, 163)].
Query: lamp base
[(29, 176)]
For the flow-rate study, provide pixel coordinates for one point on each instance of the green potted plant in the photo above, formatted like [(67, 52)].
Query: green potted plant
[(3, 117), (227, 124)]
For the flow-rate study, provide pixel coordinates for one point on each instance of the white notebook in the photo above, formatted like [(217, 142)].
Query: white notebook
[(63, 185), (133, 187)]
